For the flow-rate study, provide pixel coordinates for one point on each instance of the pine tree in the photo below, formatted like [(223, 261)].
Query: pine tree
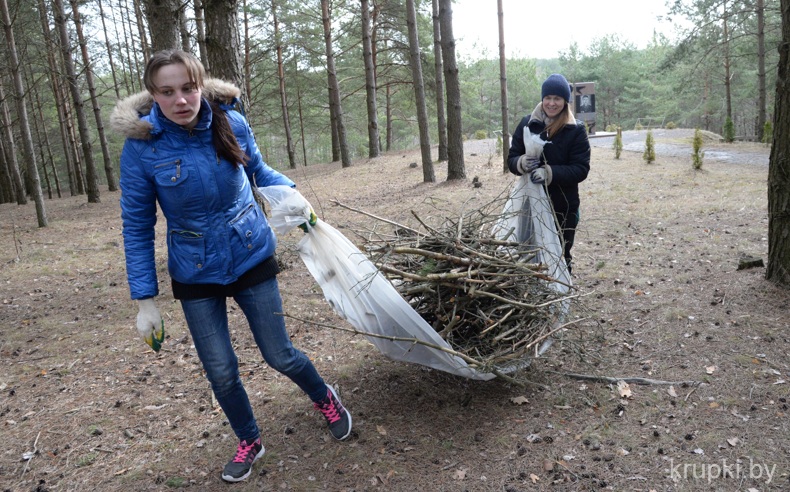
[(650, 151)]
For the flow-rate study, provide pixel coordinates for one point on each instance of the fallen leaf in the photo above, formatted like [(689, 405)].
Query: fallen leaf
[(381, 430), (548, 465), (710, 369), (623, 389), (733, 441), (155, 407), (534, 478), (671, 391), (780, 381), (459, 475), (698, 451), (519, 400)]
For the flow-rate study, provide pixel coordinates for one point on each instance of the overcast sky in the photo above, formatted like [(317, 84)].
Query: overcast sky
[(535, 29)]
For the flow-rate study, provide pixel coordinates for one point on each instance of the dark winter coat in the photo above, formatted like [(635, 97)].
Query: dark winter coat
[(215, 230), (568, 154)]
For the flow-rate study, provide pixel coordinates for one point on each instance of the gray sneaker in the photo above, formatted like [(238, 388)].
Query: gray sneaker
[(240, 466), (337, 417)]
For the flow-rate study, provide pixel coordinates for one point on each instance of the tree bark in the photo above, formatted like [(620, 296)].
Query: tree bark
[(163, 23), (441, 119), (9, 150), (92, 183), (200, 27), (109, 172), (223, 44), (370, 82), (455, 140), (761, 89), (778, 266), (428, 175), (503, 87), (334, 88), (24, 125), (283, 95)]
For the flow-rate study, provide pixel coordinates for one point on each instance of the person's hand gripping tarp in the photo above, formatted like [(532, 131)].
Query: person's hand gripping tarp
[(150, 324)]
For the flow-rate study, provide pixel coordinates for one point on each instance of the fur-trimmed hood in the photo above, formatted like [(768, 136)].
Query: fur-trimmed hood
[(127, 116)]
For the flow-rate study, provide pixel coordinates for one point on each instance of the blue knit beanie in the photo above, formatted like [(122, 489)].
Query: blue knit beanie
[(556, 85)]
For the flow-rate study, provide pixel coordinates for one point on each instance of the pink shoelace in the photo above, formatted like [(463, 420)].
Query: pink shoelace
[(243, 453), (330, 410)]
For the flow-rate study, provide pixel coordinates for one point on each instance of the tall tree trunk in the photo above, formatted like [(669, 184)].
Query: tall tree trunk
[(183, 28), (109, 172), (125, 63), (455, 139), (163, 23), (223, 43), (9, 151), (389, 116), (441, 120), (21, 109), (370, 82), (503, 87), (761, 89), (200, 26), (48, 147), (247, 51), (92, 183), (108, 46), (428, 175), (778, 267), (283, 96), (60, 105), (334, 88), (128, 36), (142, 36), (727, 62), (7, 194)]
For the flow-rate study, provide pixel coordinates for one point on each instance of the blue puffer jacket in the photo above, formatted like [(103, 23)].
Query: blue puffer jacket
[(215, 230)]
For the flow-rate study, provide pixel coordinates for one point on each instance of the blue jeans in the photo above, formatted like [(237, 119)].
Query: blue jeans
[(208, 323)]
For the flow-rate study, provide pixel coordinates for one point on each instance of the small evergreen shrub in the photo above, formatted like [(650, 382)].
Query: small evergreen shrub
[(499, 144), (639, 126), (610, 128), (696, 157), (729, 130), (618, 144), (650, 149), (481, 135), (671, 125)]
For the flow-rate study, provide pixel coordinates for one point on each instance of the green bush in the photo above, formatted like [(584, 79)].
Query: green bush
[(671, 125), (696, 157), (610, 128), (481, 135), (650, 150), (639, 126), (618, 144)]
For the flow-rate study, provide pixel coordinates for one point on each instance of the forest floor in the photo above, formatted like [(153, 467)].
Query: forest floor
[(86, 405)]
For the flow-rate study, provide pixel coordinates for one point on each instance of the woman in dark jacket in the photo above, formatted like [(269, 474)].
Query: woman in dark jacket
[(188, 150), (566, 154)]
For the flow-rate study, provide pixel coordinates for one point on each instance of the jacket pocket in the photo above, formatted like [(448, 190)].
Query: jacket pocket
[(250, 228), (172, 182), (187, 255)]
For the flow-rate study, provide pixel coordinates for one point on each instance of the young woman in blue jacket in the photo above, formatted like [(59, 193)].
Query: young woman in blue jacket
[(566, 155), (188, 150)]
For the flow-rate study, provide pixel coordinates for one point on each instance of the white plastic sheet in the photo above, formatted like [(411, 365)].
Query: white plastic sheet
[(360, 294)]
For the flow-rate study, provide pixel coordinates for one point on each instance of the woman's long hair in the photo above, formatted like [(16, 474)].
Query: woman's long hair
[(222, 136), (560, 120)]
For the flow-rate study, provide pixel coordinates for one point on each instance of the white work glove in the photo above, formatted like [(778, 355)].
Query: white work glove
[(525, 164), (541, 175), (150, 324)]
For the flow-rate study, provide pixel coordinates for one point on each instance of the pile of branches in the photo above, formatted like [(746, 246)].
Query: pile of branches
[(489, 299)]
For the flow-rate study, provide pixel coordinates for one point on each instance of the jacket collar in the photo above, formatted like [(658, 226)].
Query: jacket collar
[(135, 116)]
